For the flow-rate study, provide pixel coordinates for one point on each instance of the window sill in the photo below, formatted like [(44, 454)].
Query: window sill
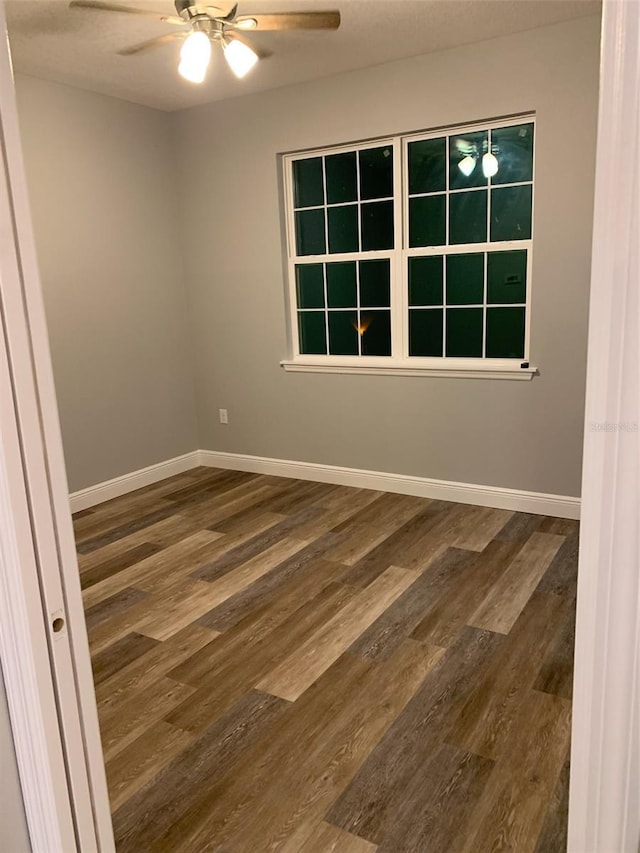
[(453, 371)]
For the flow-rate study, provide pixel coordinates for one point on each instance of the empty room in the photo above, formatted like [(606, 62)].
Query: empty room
[(316, 280)]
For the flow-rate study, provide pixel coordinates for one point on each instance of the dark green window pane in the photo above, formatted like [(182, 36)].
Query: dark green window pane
[(307, 182), (375, 328), (375, 283), (513, 148), (310, 286), (464, 332), (507, 276), (425, 280), (343, 333), (425, 333), (310, 232), (468, 217), (342, 179), (343, 228), (465, 279), (461, 147), (376, 172), (505, 332), (428, 166), (511, 213), (427, 221), (377, 225), (313, 340), (341, 285)]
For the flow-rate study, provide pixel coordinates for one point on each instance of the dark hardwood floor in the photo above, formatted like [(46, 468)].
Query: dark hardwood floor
[(291, 666)]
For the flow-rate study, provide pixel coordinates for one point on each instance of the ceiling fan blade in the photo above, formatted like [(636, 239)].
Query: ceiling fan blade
[(261, 52), (289, 21), (231, 15), (100, 6), (150, 43)]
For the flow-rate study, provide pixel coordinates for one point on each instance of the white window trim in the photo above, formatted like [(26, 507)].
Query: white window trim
[(401, 364)]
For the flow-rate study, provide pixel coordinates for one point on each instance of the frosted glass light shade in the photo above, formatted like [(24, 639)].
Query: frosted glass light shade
[(467, 165), (194, 57), (240, 57), (489, 165)]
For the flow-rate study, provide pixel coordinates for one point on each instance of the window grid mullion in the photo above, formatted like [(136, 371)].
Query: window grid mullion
[(326, 307)]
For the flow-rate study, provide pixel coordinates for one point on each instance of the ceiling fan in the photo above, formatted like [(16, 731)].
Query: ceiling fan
[(204, 25)]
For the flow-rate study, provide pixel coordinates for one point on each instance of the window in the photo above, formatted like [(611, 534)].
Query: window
[(413, 253)]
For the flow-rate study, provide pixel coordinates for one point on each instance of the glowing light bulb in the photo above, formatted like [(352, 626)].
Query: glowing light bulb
[(240, 58), (467, 165), (489, 165), (194, 57)]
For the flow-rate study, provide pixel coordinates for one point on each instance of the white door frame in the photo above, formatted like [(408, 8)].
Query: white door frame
[(604, 810), (53, 709), (47, 672)]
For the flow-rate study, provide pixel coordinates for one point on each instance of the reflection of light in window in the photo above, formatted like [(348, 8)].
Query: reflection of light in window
[(489, 165), (364, 325), (467, 165)]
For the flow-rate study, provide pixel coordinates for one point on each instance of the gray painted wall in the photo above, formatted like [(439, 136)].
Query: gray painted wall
[(512, 434), (14, 836), (102, 187)]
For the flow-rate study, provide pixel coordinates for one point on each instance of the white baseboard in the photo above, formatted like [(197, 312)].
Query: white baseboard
[(521, 501), (404, 484), (101, 492)]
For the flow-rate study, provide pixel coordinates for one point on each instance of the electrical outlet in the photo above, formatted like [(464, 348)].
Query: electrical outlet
[(224, 416)]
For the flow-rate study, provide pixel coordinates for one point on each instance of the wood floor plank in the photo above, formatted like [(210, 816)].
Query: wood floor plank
[(220, 683), (504, 603), (298, 671), (480, 524), (556, 672), (170, 613), (325, 838), (240, 578), (368, 806), (110, 608), (520, 527), (485, 721), (438, 800), (123, 651), (132, 678), (334, 741), (387, 512), (397, 727), (562, 575), (512, 808), (443, 621), (302, 563), (131, 719), (182, 557), (143, 821), (402, 617), (131, 525), (117, 564), (166, 532), (143, 760), (215, 509), (108, 517), (411, 546), (553, 837)]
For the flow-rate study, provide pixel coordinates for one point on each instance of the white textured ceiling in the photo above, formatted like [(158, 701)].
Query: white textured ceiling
[(78, 46)]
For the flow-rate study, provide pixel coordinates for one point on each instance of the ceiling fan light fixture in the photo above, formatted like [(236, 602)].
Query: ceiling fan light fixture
[(240, 58), (195, 56)]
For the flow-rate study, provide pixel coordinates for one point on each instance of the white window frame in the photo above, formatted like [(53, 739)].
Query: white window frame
[(400, 363)]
